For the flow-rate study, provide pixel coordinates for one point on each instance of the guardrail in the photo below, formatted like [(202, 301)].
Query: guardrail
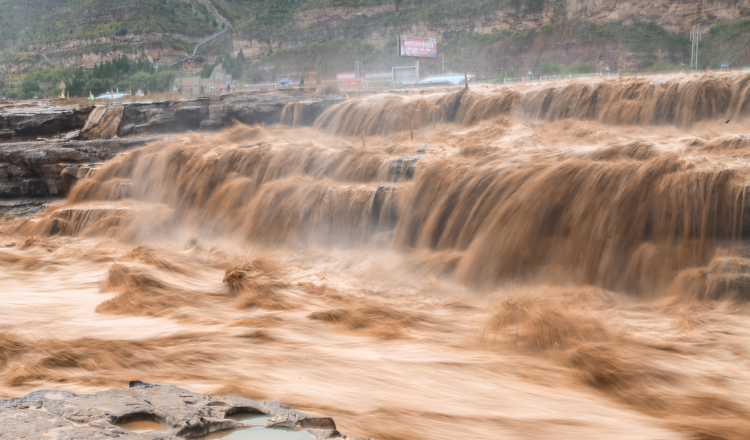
[(544, 78), (273, 85), (199, 44), (348, 82)]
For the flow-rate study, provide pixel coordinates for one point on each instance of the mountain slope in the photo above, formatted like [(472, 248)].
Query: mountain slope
[(489, 37)]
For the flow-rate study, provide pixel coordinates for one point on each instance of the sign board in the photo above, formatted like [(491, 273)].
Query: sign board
[(417, 47), (349, 76)]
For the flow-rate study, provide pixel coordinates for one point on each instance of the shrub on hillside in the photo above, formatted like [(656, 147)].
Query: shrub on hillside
[(550, 69), (329, 89), (207, 70), (94, 86), (29, 86), (661, 66), (139, 81), (582, 67)]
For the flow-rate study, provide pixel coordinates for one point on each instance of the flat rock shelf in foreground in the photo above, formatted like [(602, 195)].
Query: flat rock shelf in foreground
[(145, 411)]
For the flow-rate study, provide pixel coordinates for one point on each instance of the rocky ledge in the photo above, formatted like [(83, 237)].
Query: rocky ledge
[(69, 142), (30, 121), (51, 168), (174, 413)]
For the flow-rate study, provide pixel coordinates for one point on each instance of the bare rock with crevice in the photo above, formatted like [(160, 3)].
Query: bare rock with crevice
[(64, 415), (51, 168)]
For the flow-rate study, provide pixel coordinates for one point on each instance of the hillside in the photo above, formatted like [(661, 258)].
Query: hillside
[(83, 32), (489, 37)]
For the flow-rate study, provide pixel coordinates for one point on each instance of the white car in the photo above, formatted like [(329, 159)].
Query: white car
[(449, 78), (111, 95)]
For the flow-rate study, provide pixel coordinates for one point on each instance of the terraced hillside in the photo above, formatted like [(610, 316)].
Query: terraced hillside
[(490, 37)]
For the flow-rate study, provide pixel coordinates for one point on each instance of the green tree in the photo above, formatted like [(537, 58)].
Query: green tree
[(139, 81), (10, 93), (29, 87), (161, 81), (95, 86), (77, 87), (207, 70)]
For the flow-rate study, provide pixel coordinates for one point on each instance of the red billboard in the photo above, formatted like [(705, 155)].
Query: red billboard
[(347, 78), (418, 47)]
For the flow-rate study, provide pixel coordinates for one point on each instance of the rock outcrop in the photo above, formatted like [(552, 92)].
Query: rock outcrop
[(16, 208), (103, 122), (216, 111), (30, 122), (181, 414), (33, 121), (51, 168)]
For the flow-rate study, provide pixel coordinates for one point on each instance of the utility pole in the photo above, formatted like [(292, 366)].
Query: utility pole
[(442, 68), (695, 38)]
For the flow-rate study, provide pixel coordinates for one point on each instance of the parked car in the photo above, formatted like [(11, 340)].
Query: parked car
[(448, 79), (115, 95)]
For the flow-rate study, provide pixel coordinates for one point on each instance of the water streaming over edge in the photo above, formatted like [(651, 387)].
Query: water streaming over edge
[(541, 263)]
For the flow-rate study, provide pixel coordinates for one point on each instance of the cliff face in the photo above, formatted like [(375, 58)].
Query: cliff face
[(515, 35), (677, 16), (260, 31)]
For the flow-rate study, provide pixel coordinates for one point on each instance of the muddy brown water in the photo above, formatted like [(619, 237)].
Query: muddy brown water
[(519, 270)]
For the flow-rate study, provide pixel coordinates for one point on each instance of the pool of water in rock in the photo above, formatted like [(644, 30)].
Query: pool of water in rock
[(256, 432), (259, 433)]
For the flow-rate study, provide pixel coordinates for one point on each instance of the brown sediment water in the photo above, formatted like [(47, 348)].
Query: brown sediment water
[(564, 261)]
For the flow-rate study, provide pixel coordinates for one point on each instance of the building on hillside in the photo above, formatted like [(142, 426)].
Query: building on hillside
[(192, 84), (225, 88), (218, 81), (220, 76)]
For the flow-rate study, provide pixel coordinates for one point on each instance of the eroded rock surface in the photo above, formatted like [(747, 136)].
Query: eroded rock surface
[(33, 121), (51, 168), (17, 208), (64, 415), (39, 120), (103, 122), (217, 111)]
